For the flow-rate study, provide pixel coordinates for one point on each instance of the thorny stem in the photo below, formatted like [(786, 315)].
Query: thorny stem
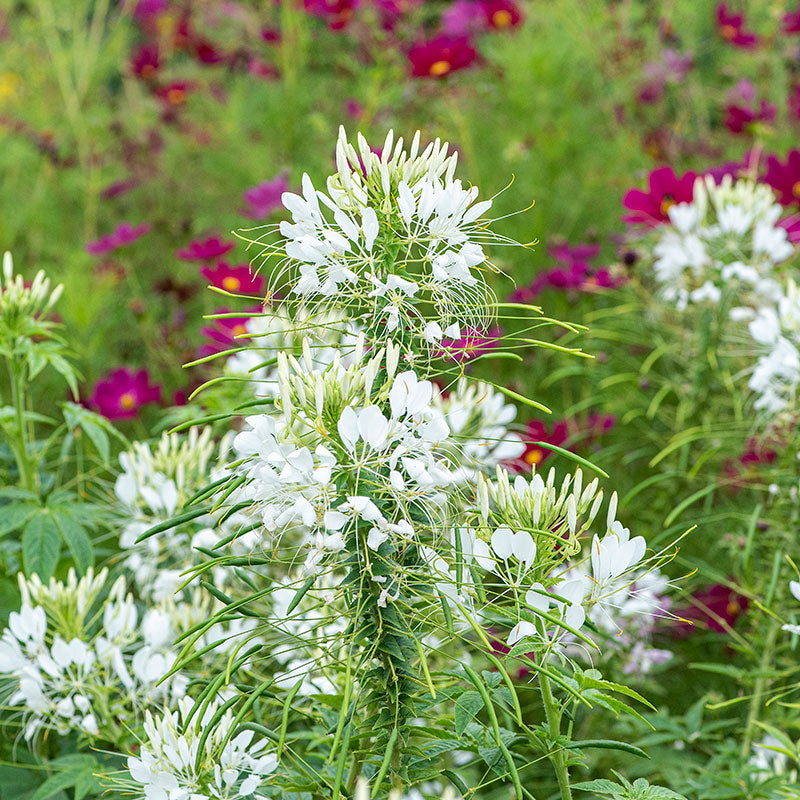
[(554, 723)]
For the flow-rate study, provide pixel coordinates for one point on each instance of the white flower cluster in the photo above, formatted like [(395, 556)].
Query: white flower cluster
[(184, 757), (155, 484), (776, 375), (393, 233), (725, 238), (79, 663), (274, 332), (329, 428), (478, 418), (535, 549)]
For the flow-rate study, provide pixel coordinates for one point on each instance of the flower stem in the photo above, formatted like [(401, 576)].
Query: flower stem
[(554, 722), (21, 450)]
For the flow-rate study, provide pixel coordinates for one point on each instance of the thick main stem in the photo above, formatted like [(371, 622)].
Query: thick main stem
[(554, 723)]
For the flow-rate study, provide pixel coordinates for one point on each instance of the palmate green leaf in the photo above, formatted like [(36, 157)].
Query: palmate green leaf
[(466, 707), (95, 426), (77, 771), (75, 537), (13, 516), (41, 545)]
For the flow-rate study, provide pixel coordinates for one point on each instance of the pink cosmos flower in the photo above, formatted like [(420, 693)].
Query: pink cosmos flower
[(123, 234), (651, 208), (715, 608), (742, 111), (236, 279), (147, 8), (791, 21), (463, 18), (337, 13), (205, 249), (792, 227), (440, 56), (501, 14), (731, 27), (119, 188), (145, 62), (221, 333), (472, 344), (391, 11), (123, 392), (784, 178), (265, 198), (175, 93), (793, 102), (672, 67)]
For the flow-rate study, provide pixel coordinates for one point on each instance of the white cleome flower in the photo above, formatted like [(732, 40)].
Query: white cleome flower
[(181, 759), (396, 241), (725, 240)]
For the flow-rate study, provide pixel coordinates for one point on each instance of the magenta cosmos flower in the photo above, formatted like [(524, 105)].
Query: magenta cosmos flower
[(237, 279), (440, 56), (336, 13), (472, 344), (265, 198), (652, 207), (123, 234), (123, 392), (784, 177), (731, 27), (205, 249), (501, 14), (225, 332), (742, 111), (791, 21)]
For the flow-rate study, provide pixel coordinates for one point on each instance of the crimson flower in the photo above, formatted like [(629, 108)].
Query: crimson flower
[(537, 431), (337, 13), (738, 119), (123, 392), (123, 234), (145, 62), (440, 56), (175, 93), (222, 333), (714, 607), (784, 177), (651, 207), (501, 14), (265, 198), (205, 249), (472, 344), (237, 279), (791, 21), (464, 18), (731, 28)]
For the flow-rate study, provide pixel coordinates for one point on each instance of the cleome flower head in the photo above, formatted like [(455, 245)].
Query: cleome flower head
[(20, 301), (396, 241), (180, 758), (726, 241)]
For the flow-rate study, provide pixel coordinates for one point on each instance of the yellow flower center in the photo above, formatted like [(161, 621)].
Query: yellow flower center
[(239, 330), (231, 284), (666, 205), (176, 96), (439, 68), (728, 31), (534, 456), (502, 18), (796, 189), (128, 401), (733, 608)]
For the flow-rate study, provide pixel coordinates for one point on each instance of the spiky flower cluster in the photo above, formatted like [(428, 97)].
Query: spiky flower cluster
[(185, 756), (725, 242), (155, 484), (18, 301), (396, 242), (79, 658)]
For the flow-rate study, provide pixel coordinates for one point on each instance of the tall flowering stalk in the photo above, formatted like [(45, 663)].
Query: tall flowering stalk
[(386, 544)]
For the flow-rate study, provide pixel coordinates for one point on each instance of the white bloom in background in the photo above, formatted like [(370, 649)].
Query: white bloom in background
[(768, 757), (174, 763), (776, 333), (478, 418), (726, 237), (794, 588)]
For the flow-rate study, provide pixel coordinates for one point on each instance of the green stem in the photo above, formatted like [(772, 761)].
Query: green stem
[(759, 688), (21, 449), (554, 723)]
